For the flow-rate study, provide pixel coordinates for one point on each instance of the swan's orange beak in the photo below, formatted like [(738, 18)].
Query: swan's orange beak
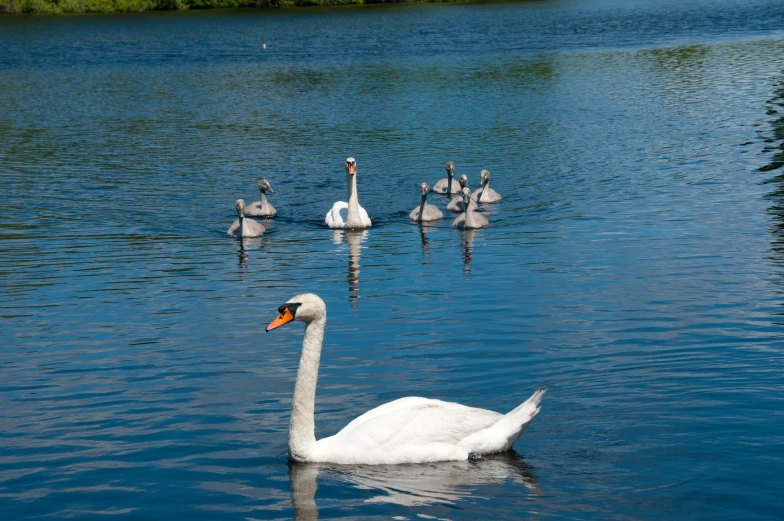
[(352, 168), (284, 318)]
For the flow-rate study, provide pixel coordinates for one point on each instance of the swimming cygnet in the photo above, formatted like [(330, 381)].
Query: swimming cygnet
[(485, 194), (262, 208), (469, 218), (456, 204), (425, 212), (244, 226), (447, 185)]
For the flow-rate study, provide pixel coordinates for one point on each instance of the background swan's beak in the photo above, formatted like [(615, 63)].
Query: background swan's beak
[(352, 169), (284, 318)]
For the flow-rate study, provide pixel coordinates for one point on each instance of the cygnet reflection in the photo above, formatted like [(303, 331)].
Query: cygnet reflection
[(354, 238), (410, 485), (247, 243), (468, 246)]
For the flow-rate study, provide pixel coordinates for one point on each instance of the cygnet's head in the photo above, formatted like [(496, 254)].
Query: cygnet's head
[(239, 204), (264, 186), (450, 169), (424, 188), (351, 166), (463, 181), (305, 308), (485, 176), (466, 193)]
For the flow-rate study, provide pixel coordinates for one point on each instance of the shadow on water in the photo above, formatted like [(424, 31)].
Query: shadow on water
[(409, 485), (354, 238)]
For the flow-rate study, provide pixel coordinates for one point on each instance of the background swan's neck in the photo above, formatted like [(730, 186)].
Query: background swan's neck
[(449, 176), (263, 199), (352, 219), (302, 429), (422, 206)]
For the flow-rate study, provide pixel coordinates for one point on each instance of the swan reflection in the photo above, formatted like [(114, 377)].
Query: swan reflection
[(410, 485), (354, 238), (245, 244), (423, 229), (468, 246)]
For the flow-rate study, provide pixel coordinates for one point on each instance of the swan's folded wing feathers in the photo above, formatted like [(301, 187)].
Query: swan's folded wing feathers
[(416, 421)]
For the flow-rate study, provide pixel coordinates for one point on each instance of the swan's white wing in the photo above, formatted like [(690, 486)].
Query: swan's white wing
[(333, 218), (410, 429), (363, 215)]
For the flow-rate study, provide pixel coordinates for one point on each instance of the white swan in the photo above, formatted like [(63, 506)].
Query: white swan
[(356, 216), (408, 430), (262, 208), (244, 226), (469, 218), (425, 212), (485, 194), (447, 185), (456, 204)]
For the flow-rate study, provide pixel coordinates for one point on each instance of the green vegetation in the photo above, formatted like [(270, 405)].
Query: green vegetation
[(127, 6)]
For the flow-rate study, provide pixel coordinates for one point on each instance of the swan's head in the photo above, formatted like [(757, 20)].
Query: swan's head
[(351, 166), (450, 169), (305, 308), (264, 186), (239, 204), (485, 176), (463, 181), (466, 194), (424, 188)]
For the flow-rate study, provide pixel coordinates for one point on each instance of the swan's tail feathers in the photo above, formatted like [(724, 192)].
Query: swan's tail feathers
[(514, 423), (531, 403)]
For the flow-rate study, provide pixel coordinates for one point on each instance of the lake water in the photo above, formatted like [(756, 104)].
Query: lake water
[(634, 268)]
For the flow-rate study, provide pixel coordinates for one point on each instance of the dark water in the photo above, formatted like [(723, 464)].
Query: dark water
[(635, 266)]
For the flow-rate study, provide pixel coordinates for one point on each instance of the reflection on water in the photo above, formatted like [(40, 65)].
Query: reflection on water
[(245, 243), (467, 241), (354, 238), (424, 241), (775, 147), (412, 485)]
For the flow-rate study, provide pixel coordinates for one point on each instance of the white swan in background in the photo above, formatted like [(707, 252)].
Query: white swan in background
[(244, 226), (485, 194), (469, 218), (456, 204), (447, 185), (262, 208), (425, 212), (355, 216), (408, 430)]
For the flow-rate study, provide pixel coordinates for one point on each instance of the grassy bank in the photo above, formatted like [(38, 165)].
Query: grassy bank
[(110, 6)]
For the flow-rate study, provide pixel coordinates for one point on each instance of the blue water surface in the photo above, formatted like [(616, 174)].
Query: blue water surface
[(634, 268)]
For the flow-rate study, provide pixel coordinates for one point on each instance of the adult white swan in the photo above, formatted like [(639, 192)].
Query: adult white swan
[(355, 216), (244, 226), (408, 430)]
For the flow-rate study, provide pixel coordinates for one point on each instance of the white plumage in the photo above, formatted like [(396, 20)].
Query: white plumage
[(408, 430)]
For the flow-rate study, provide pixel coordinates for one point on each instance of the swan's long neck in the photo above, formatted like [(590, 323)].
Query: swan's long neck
[(449, 176), (302, 429), (485, 187), (352, 219), (422, 206), (469, 215), (263, 199), (242, 226)]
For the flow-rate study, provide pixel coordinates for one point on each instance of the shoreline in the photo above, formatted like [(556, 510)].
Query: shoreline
[(11, 7)]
